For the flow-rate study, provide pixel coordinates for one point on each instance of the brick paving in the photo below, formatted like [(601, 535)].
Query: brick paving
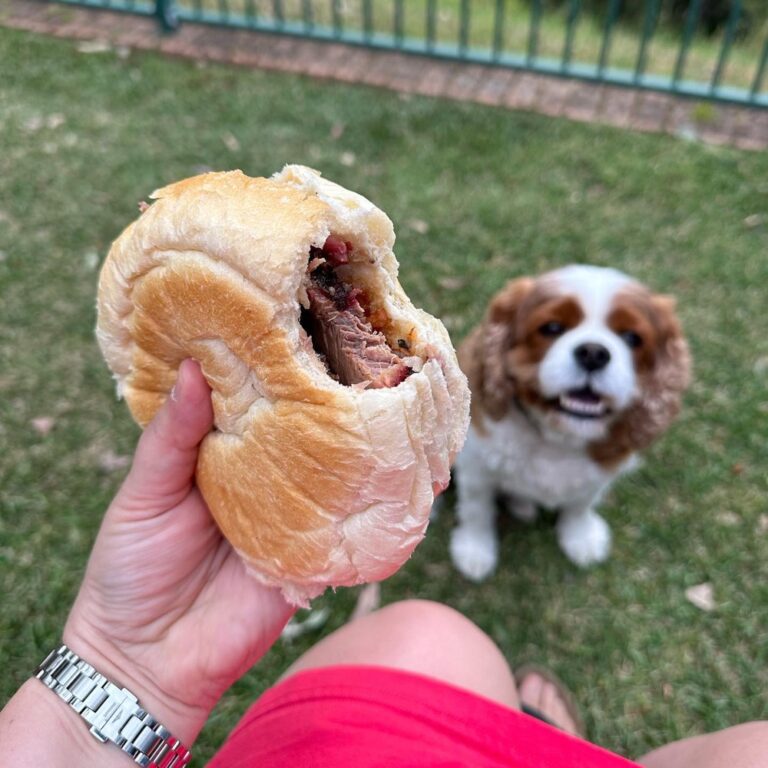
[(585, 102)]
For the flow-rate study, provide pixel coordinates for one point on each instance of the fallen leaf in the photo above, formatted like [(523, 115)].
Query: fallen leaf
[(687, 133), (90, 260), (111, 461), (55, 120), (702, 596), (737, 469), (348, 159), (43, 425), (666, 690), (34, 123), (418, 225), (754, 220), (762, 524), (230, 142), (450, 283), (94, 46), (337, 131), (728, 518)]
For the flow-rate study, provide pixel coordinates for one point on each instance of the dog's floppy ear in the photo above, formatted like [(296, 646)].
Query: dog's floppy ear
[(483, 355), (661, 389)]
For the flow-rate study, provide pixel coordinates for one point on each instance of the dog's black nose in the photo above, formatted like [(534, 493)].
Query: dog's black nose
[(592, 357)]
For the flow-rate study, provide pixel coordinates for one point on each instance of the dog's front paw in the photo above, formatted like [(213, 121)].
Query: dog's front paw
[(585, 538), (475, 552)]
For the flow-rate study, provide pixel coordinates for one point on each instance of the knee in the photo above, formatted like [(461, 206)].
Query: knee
[(426, 619), (438, 641), (427, 628)]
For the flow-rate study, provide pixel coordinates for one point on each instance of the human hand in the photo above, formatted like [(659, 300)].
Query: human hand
[(166, 607)]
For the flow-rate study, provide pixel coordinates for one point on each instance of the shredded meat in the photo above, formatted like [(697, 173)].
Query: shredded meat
[(354, 352)]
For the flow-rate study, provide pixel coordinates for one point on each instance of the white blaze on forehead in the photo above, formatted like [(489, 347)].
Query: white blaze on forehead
[(594, 287)]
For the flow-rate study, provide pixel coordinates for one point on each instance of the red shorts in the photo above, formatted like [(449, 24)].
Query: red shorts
[(363, 717)]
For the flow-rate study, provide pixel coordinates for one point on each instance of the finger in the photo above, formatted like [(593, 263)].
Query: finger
[(166, 456)]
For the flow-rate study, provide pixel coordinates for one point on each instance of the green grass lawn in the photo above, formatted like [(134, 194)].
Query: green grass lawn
[(477, 196)]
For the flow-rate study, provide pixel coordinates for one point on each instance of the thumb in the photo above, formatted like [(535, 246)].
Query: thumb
[(166, 456)]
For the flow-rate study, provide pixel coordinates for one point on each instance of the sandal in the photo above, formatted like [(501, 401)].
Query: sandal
[(562, 692)]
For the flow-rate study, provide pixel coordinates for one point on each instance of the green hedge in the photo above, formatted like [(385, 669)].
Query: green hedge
[(714, 13)]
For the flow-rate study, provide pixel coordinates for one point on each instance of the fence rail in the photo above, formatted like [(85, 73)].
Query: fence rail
[(710, 49)]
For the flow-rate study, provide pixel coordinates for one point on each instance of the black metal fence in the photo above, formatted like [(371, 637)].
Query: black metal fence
[(709, 49)]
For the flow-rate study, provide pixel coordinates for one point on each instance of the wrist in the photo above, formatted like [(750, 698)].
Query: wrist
[(37, 728), (124, 669)]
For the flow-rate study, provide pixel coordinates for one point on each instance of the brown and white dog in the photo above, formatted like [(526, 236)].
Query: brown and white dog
[(572, 373)]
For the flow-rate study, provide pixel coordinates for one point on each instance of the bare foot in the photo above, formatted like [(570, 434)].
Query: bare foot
[(544, 696)]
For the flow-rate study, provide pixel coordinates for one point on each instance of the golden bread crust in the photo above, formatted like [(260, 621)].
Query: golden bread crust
[(314, 483)]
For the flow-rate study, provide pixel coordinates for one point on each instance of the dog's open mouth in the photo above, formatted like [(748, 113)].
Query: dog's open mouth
[(583, 403)]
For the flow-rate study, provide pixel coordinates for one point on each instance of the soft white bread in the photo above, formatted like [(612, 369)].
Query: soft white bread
[(314, 483)]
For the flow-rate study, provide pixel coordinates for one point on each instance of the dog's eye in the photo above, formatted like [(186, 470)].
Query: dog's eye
[(631, 339), (552, 328)]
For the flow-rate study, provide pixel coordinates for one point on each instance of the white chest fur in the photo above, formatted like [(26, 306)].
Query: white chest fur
[(515, 458)]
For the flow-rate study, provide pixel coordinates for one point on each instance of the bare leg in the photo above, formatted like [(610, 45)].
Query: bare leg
[(423, 637), (743, 746), (434, 640)]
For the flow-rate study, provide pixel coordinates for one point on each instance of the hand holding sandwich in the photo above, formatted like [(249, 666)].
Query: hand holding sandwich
[(165, 600)]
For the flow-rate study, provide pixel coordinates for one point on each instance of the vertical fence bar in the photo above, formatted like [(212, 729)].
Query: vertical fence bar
[(279, 12), (464, 27), (498, 29), (605, 46), (165, 11), (649, 27), (533, 32), (367, 20), (307, 15), (399, 23), (574, 8), (691, 22), (338, 19), (431, 16), (251, 14), (725, 49), (757, 85), (199, 9), (224, 9)]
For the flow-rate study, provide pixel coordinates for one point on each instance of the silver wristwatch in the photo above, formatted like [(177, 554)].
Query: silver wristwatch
[(113, 713)]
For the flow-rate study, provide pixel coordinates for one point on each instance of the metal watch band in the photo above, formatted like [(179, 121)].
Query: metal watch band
[(113, 713)]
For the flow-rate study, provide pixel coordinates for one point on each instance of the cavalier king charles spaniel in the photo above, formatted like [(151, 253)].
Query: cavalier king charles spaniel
[(572, 373)]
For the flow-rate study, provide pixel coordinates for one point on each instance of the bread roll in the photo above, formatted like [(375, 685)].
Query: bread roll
[(315, 482)]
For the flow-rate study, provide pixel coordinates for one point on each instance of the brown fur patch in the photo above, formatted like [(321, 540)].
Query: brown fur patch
[(482, 356), (663, 366), (501, 356)]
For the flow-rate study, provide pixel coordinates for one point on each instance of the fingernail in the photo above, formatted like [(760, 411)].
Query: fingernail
[(178, 387)]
